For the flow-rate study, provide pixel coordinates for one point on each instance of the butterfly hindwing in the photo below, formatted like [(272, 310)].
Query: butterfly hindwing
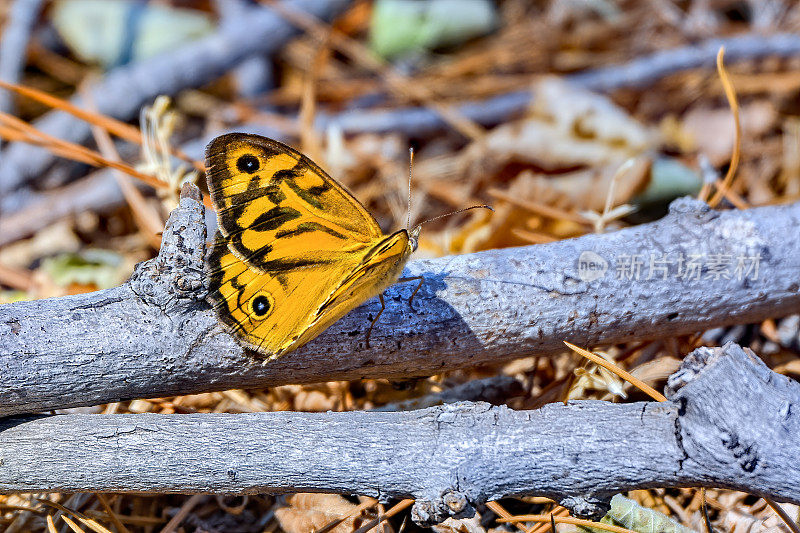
[(378, 268), (267, 312)]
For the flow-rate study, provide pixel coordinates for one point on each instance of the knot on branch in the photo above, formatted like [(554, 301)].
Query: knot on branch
[(691, 367), (689, 205), (451, 503), (589, 507), (702, 359), (177, 272)]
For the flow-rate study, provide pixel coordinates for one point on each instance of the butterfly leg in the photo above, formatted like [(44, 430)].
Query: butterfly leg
[(372, 325), (419, 286), (383, 304)]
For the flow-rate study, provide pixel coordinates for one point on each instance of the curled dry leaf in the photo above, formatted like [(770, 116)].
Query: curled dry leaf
[(500, 229), (711, 131), (629, 514), (313, 398), (310, 512), (313, 401), (568, 127), (460, 525), (736, 516), (658, 369), (587, 188)]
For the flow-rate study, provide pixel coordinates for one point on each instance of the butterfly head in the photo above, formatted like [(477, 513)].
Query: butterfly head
[(413, 237), (413, 233)]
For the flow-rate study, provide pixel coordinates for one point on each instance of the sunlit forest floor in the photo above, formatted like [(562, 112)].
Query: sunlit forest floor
[(560, 141)]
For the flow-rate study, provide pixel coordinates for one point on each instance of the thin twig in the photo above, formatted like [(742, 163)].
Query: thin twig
[(546, 518), (781, 512), (184, 511), (397, 82), (505, 515), (98, 192), (15, 278), (111, 514), (540, 209), (117, 127), (640, 72), (76, 152), (396, 508), (353, 512), (730, 94), (147, 218)]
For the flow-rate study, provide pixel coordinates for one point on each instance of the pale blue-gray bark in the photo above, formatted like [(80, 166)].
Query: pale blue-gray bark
[(729, 422)]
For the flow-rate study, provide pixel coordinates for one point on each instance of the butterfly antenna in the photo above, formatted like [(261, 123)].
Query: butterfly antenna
[(410, 166), (456, 212)]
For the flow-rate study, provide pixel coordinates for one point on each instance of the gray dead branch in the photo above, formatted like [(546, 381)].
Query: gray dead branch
[(123, 91), (496, 390), (98, 192), (642, 71), (729, 422), (26, 211), (120, 96), (156, 335), (22, 15)]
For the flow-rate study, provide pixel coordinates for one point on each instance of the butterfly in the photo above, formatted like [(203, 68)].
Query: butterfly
[(295, 251)]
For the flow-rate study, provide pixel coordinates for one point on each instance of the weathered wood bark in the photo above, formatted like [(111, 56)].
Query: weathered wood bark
[(729, 422), (156, 335)]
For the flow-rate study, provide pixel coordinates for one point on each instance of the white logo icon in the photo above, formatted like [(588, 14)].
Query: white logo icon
[(591, 266)]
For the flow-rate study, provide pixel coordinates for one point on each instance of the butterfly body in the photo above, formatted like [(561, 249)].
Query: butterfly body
[(295, 250)]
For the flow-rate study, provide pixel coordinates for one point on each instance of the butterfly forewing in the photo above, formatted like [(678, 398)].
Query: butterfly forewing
[(280, 210)]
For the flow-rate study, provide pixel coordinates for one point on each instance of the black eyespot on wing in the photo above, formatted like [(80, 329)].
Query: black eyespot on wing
[(247, 163), (261, 306)]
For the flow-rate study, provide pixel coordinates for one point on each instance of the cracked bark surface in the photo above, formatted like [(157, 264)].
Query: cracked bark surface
[(156, 335), (729, 422)]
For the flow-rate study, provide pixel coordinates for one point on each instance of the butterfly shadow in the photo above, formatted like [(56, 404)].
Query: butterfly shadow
[(413, 337)]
